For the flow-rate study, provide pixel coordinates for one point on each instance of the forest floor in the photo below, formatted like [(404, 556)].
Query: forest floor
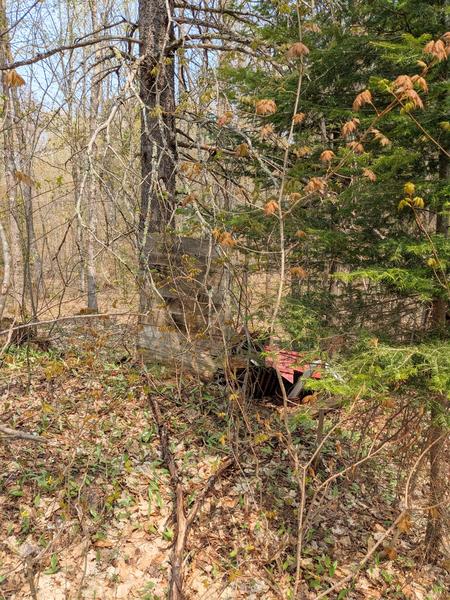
[(89, 513)]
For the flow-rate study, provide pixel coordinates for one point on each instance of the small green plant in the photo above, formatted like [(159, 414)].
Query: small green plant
[(147, 592), (54, 565), (154, 496)]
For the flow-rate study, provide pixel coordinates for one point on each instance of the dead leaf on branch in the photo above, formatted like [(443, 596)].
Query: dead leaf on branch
[(13, 79), (295, 197), (270, 207), (298, 50), (380, 137), (421, 83), (265, 107), (362, 98), (315, 184), (357, 147), (369, 174), (349, 127), (438, 49), (327, 155), (224, 238), (298, 118), (402, 83)]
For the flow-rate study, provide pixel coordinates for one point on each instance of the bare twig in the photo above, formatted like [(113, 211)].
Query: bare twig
[(21, 435)]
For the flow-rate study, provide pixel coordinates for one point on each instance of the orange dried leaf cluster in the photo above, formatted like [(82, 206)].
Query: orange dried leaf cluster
[(13, 79), (402, 83), (299, 272), (403, 88), (362, 98), (380, 137), (301, 234), (315, 184), (298, 118), (357, 147), (369, 174), (440, 49), (327, 155), (420, 82), (297, 50), (295, 197), (270, 207), (349, 127), (265, 107), (224, 238)]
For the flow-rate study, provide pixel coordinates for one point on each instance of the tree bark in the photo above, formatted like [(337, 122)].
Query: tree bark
[(17, 275), (438, 483), (436, 516), (158, 139), (93, 188), (6, 270)]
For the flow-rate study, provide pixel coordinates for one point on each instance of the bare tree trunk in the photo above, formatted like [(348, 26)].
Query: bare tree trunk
[(92, 187), (32, 260), (17, 264), (6, 270), (158, 143), (437, 513), (436, 516)]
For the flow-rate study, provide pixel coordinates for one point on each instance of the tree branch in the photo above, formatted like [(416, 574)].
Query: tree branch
[(60, 49)]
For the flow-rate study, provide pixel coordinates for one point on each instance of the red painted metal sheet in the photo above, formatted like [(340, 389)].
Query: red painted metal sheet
[(288, 362)]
